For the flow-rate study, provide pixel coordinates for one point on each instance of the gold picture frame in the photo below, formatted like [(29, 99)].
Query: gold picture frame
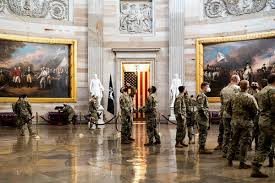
[(72, 67), (202, 42)]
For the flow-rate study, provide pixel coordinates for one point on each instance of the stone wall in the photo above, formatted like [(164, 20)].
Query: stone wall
[(113, 38), (75, 28), (197, 25)]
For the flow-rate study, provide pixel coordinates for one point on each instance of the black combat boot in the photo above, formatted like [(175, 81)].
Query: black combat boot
[(131, 139), (178, 145), (230, 163), (256, 172), (149, 144), (157, 142), (183, 144), (202, 150), (270, 164), (244, 166)]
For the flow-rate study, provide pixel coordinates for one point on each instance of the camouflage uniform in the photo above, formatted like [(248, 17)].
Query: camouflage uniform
[(256, 129), (131, 96), (189, 116), (226, 95), (93, 107), (23, 111), (202, 118), (126, 112), (266, 100), (180, 113), (71, 113), (151, 116), (243, 108)]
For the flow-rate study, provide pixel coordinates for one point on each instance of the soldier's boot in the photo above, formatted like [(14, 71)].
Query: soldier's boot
[(270, 160), (256, 172), (230, 163), (74, 120), (244, 166), (178, 145), (202, 150), (157, 142), (125, 141), (149, 144), (219, 147), (183, 144), (131, 139)]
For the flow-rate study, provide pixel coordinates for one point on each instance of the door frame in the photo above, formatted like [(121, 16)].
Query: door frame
[(133, 55)]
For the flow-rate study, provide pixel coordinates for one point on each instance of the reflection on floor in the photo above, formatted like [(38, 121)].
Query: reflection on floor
[(61, 156)]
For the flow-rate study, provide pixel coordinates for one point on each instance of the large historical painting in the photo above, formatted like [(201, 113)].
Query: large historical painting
[(252, 57), (136, 17), (43, 69)]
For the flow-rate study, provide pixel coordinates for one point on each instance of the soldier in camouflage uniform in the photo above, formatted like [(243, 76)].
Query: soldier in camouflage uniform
[(243, 109), (150, 110), (71, 113), (180, 113), (126, 112), (132, 94), (93, 107), (226, 95), (202, 117), (266, 100), (189, 103), (23, 111)]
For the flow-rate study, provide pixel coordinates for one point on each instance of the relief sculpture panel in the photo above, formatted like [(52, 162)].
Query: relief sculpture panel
[(136, 17)]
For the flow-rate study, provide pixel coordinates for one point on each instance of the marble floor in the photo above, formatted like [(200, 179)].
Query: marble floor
[(67, 154)]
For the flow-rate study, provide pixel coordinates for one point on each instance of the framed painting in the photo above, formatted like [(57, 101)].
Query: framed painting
[(251, 56), (43, 69)]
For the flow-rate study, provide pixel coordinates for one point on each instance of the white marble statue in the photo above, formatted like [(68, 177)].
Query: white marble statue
[(96, 88), (176, 82)]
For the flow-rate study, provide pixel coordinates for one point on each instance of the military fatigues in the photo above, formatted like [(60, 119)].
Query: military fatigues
[(126, 112), (150, 110), (202, 118), (243, 108), (266, 100), (131, 96), (93, 107), (189, 116), (23, 112), (180, 113), (256, 129), (71, 113), (226, 95)]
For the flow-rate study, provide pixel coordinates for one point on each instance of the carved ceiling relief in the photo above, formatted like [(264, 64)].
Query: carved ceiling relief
[(49, 9), (224, 8), (136, 16)]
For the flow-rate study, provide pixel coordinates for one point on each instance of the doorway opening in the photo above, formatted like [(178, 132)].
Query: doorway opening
[(137, 75)]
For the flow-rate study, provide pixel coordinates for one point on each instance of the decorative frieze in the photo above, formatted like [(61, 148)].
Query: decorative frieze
[(224, 8), (49, 9)]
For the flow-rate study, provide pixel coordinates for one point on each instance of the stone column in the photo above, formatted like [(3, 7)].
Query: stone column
[(95, 39), (95, 44), (176, 42)]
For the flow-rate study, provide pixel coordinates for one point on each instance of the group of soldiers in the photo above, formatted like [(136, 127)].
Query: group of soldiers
[(248, 114)]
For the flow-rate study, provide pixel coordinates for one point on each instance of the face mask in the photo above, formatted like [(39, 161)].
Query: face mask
[(254, 87), (208, 90)]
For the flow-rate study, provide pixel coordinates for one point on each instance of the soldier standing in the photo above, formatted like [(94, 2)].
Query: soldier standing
[(93, 107), (180, 113), (23, 111), (71, 113), (243, 108), (190, 103), (226, 95), (150, 110), (126, 112), (266, 100), (131, 96), (202, 117)]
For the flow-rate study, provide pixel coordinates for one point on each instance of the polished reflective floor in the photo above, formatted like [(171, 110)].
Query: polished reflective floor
[(67, 154)]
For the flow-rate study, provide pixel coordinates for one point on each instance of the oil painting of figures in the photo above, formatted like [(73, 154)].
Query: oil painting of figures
[(252, 60), (39, 70)]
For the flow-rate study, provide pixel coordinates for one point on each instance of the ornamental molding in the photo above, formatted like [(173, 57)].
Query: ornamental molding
[(48, 9), (225, 8)]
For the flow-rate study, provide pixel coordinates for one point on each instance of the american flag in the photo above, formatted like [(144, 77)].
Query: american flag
[(140, 80)]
